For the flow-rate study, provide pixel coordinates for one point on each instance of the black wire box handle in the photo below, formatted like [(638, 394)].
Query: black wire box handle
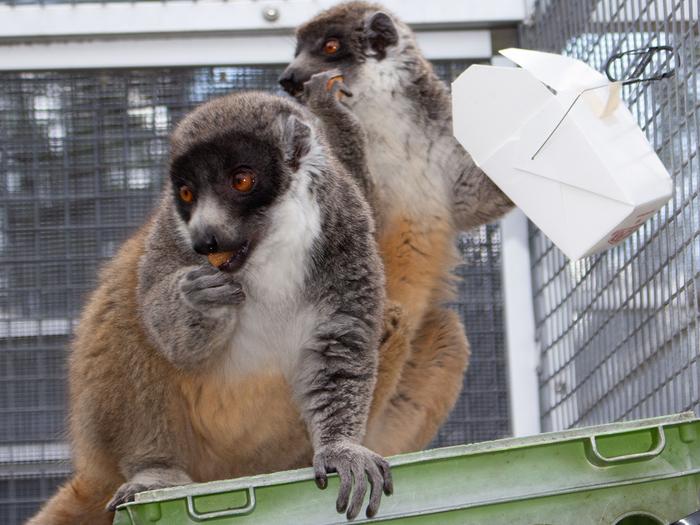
[(644, 57)]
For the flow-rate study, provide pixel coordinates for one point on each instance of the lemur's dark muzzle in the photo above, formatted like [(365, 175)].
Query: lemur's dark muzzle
[(292, 80), (205, 242)]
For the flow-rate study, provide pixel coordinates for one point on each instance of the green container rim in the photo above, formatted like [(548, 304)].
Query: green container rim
[(291, 476)]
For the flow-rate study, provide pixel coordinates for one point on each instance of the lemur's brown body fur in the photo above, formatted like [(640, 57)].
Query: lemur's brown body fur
[(219, 416), (212, 416), (417, 261)]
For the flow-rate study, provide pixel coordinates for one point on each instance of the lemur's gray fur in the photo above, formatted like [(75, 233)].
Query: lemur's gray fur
[(405, 109), (307, 293)]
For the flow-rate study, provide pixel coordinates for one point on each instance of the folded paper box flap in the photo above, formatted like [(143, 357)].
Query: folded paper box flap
[(595, 180), (559, 72)]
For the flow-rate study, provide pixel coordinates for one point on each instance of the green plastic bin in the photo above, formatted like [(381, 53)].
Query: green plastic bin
[(637, 473)]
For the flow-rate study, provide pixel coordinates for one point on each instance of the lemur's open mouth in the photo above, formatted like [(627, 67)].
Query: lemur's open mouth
[(236, 260)]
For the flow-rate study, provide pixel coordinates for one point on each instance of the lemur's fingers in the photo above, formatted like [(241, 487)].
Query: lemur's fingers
[(345, 476), (320, 84), (335, 83), (148, 479), (356, 467), (375, 494), (228, 294), (201, 271), (124, 494), (205, 281), (360, 489), (338, 88), (385, 469), (320, 472)]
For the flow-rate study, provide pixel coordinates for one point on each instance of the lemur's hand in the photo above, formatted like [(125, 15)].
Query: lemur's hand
[(210, 291), (324, 90), (147, 479), (353, 461)]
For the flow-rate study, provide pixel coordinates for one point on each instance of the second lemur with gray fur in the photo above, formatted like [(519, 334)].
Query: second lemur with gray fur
[(425, 187)]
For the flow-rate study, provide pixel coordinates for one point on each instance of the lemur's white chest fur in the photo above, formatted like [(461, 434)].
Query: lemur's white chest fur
[(274, 322), (406, 162)]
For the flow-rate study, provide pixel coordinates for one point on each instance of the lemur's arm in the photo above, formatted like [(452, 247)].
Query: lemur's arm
[(340, 126), (335, 383), (336, 379), (187, 312), (477, 200)]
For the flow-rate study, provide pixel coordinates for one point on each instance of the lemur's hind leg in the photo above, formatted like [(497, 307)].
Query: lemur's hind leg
[(80, 501), (430, 383), (394, 350)]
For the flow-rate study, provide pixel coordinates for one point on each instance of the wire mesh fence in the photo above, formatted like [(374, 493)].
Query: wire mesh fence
[(82, 158), (481, 413), (619, 332)]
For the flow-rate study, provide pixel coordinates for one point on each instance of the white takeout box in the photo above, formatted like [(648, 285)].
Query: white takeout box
[(597, 178)]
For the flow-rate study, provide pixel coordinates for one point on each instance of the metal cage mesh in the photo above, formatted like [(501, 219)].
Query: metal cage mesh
[(619, 332), (82, 157)]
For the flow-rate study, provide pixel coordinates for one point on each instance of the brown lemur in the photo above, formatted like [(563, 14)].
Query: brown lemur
[(426, 189), (184, 371)]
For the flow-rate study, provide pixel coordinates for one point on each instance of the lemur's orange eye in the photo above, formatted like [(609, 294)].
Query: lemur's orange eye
[(243, 181), (186, 194), (332, 46)]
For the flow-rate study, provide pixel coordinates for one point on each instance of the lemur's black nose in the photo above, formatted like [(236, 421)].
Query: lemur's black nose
[(290, 81), (206, 244)]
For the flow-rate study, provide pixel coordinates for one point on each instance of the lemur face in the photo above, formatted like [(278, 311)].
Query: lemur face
[(232, 161), (341, 38)]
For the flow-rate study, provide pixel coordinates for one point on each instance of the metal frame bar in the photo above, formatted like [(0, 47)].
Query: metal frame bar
[(188, 50), (523, 352), (215, 32), (58, 21)]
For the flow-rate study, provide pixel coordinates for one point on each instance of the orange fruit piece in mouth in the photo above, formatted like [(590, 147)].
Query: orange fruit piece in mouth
[(219, 258)]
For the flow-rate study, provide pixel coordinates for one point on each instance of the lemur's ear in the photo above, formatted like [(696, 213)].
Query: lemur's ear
[(381, 32), (296, 140)]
